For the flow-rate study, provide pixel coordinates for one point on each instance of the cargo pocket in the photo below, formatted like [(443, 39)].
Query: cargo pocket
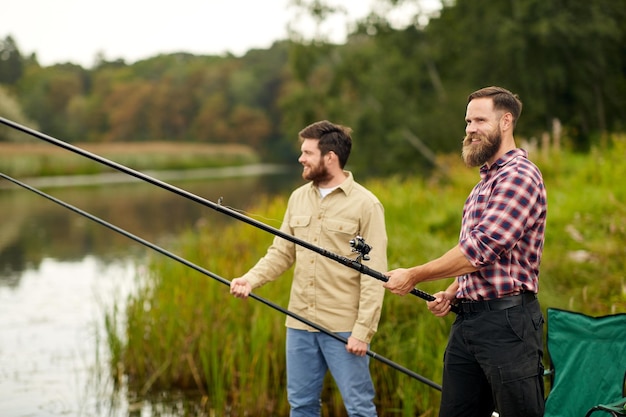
[(521, 392), (519, 371)]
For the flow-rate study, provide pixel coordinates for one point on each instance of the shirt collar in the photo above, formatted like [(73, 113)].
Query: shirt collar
[(346, 186), (503, 160)]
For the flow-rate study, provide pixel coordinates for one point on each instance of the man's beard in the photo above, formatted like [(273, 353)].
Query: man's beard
[(476, 155), (317, 174)]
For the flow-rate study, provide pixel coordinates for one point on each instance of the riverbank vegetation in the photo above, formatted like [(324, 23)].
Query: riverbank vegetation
[(183, 330), (41, 159)]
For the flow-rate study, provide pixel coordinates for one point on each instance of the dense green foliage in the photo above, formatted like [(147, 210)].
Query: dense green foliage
[(183, 329), (402, 89)]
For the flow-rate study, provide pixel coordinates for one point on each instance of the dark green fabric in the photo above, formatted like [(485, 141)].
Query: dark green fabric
[(588, 356)]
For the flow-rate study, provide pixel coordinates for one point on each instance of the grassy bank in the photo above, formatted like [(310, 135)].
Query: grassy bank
[(182, 330), (41, 159)]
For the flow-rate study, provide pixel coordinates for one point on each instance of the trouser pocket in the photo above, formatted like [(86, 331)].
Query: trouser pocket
[(520, 391)]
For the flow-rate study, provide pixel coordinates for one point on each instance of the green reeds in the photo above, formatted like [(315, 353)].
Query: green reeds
[(184, 330)]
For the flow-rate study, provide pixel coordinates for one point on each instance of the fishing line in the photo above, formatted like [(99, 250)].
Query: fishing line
[(249, 213), (352, 263), (216, 277)]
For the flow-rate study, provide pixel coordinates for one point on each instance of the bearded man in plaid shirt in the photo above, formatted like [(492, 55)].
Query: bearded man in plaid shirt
[(493, 360)]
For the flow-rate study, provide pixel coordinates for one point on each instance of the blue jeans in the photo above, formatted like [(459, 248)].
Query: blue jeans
[(309, 356)]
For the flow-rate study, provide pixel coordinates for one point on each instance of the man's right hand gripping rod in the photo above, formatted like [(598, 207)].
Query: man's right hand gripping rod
[(358, 245)]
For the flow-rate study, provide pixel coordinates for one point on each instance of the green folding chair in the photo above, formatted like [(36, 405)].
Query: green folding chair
[(587, 364)]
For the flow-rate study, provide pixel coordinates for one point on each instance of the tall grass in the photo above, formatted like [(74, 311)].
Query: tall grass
[(184, 330)]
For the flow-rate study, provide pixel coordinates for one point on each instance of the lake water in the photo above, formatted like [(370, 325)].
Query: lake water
[(60, 273)]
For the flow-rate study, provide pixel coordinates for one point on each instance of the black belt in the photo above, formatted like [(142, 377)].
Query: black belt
[(470, 306)]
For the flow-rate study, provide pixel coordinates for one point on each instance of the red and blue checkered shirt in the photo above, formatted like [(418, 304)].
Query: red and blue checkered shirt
[(502, 231)]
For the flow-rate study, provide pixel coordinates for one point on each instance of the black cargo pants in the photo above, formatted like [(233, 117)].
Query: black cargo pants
[(493, 361)]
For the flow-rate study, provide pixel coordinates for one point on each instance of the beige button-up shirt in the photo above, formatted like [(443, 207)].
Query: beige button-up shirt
[(324, 291)]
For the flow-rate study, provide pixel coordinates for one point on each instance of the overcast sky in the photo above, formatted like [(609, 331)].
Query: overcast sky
[(76, 30)]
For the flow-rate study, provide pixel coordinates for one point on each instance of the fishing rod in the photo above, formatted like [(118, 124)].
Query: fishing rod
[(358, 244), (216, 277)]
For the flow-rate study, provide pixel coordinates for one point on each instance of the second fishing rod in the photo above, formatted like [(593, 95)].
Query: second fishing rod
[(357, 243), (216, 277)]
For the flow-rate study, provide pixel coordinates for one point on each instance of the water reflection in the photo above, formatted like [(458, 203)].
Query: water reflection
[(49, 326), (34, 228), (60, 272)]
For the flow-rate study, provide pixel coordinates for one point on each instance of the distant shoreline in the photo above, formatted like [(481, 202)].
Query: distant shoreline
[(38, 160), (163, 175)]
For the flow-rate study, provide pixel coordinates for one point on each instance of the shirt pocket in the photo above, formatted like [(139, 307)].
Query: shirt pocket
[(338, 234), (300, 226)]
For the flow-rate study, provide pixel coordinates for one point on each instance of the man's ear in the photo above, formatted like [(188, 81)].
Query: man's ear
[(507, 121)]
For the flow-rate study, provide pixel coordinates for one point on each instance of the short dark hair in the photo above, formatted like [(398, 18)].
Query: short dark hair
[(502, 98), (331, 137)]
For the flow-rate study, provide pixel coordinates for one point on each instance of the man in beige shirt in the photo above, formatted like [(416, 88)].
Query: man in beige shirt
[(327, 212)]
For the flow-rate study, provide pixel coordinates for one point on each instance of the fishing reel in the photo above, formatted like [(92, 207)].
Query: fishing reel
[(358, 245)]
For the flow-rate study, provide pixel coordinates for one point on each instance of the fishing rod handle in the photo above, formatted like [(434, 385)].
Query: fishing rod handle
[(428, 297), (419, 293), (358, 244)]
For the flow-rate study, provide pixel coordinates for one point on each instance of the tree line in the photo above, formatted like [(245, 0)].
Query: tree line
[(402, 89)]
